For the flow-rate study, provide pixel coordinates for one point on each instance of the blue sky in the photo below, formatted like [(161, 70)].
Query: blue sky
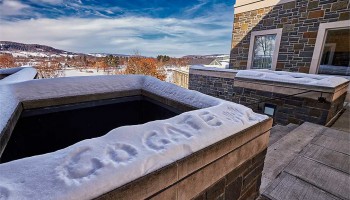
[(172, 27)]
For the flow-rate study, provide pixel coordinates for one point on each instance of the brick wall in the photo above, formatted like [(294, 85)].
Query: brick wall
[(300, 21)]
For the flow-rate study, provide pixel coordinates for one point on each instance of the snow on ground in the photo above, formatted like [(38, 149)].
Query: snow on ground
[(212, 68), (292, 77), (95, 166), (88, 72)]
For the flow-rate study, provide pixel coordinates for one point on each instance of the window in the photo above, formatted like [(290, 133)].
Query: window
[(264, 46), (263, 50), (335, 56), (332, 49)]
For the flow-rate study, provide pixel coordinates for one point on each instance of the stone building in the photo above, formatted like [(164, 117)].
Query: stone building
[(309, 36)]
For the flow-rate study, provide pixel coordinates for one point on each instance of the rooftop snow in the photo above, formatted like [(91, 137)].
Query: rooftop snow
[(291, 77), (202, 67), (93, 167), (18, 74)]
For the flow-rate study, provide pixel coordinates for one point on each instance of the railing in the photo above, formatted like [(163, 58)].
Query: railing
[(180, 78)]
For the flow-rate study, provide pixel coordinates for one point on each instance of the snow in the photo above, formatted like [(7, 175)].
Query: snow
[(202, 67), (18, 74), (95, 166), (89, 72), (291, 77)]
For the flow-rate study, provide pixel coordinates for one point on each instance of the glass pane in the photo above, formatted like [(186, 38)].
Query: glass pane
[(264, 46), (335, 57)]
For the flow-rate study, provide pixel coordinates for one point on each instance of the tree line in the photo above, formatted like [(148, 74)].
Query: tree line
[(52, 67)]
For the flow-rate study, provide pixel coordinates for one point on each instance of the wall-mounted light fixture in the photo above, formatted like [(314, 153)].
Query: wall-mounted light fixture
[(270, 109)]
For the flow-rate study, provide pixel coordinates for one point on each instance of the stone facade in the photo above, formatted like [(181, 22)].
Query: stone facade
[(300, 21)]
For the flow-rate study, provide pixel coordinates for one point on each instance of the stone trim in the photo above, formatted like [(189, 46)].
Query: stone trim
[(219, 74), (198, 172), (278, 33), (321, 37), (256, 4)]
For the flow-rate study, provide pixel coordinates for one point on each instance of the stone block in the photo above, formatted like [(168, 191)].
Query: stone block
[(289, 5), (298, 46), (315, 14), (288, 27), (304, 69), (233, 190), (253, 175), (306, 54), (216, 190), (339, 5), (310, 34), (268, 22), (344, 16), (312, 5), (234, 174), (244, 27), (279, 65)]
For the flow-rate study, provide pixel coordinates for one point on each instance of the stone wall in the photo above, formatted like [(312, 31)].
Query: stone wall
[(241, 183), (289, 109), (300, 21), (229, 169), (214, 86)]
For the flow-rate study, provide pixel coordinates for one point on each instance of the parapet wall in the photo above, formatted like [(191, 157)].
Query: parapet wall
[(215, 150), (229, 169), (254, 93)]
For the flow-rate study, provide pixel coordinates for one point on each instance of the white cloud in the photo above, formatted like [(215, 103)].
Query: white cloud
[(12, 7), (151, 36), (48, 1)]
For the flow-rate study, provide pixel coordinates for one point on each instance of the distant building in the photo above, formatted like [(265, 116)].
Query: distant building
[(221, 61), (292, 35), (201, 61), (180, 77)]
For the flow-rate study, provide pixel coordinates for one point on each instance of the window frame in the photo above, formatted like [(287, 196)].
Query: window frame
[(320, 42), (278, 33)]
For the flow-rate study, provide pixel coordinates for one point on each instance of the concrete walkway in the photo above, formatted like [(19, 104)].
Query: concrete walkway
[(343, 122), (311, 162)]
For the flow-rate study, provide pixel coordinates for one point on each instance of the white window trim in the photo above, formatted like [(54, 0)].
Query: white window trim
[(321, 37), (278, 33)]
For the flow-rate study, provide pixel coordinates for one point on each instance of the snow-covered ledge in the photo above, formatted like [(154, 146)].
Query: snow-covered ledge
[(212, 71), (293, 83), (130, 162), (17, 74)]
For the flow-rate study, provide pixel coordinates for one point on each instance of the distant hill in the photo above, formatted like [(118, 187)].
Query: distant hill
[(38, 50), (15, 46), (107, 54)]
